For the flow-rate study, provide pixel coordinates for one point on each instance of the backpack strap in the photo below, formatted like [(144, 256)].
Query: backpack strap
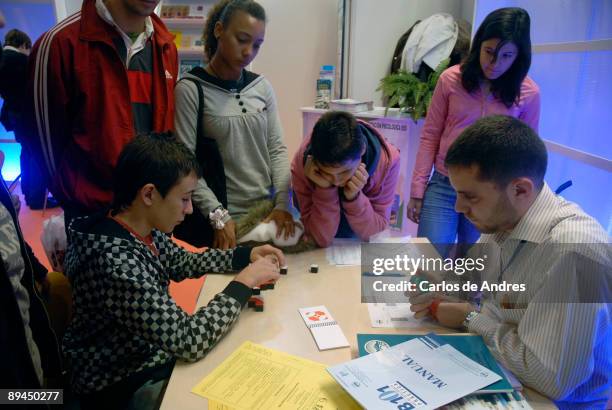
[(200, 117), (207, 151)]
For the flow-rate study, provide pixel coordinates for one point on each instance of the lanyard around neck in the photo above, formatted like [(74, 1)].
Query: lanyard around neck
[(503, 269)]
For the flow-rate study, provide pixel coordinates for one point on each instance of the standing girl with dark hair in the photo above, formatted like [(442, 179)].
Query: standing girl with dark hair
[(492, 80), (240, 114)]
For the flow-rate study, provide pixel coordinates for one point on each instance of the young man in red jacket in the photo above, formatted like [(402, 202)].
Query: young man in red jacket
[(98, 78), (344, 178)]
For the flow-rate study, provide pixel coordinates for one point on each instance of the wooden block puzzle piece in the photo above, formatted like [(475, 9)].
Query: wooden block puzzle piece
[(257, 303), (267, 285)]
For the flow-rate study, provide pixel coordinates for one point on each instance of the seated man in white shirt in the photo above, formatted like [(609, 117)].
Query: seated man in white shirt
[(556, 334)]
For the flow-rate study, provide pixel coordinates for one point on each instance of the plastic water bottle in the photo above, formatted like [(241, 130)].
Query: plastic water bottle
[(325, 86)]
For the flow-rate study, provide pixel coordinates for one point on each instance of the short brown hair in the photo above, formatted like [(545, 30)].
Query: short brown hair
[(336, 138), (17, 38), (503, 148), (156, 158)]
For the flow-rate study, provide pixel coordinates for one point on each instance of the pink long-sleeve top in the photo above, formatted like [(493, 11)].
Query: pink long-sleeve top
[(453, 109), (367, 214)]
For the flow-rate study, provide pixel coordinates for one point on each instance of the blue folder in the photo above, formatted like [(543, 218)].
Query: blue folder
[(472, 346)]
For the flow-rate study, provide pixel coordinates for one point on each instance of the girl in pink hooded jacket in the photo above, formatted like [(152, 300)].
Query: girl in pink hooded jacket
[(344, 178), (492, 80)]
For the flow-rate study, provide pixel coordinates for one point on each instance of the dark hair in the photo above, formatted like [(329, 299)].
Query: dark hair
[(503, 148), (223, 12), (17, 38), (156, 158), (336, 138), (511, 24)]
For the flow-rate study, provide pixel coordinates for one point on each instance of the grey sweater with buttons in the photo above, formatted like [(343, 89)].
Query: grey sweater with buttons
[(248, 132)]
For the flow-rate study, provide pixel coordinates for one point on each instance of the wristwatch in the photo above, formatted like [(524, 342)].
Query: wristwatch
[(471, 315), (218, 217)]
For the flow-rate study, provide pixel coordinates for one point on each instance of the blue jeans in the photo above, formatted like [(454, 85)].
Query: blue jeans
[(439, 221)]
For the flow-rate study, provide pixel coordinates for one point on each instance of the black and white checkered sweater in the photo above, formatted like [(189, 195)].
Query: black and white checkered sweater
[(124, 319)]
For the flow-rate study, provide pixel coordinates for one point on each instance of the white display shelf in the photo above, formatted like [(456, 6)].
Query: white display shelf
[(191, 51), (184, 23)]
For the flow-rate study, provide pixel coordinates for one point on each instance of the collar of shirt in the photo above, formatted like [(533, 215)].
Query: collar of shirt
[(535, 225), (132, 47), (13, 49)]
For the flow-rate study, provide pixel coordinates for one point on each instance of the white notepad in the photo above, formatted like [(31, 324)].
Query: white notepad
[(325, 330)]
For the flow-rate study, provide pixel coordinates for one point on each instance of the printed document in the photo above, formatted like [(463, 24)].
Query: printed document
[(256, 377), (417, 374)]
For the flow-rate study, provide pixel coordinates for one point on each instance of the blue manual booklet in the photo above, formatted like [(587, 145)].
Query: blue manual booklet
[(422, 373), (472, 346)]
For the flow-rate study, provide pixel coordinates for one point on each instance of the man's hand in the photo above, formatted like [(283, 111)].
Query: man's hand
[(269, 252), (261, 271), (420, 302), (453, 314), (284, 222), (355, 184), (312, 172), (413, 210), (225, 238)]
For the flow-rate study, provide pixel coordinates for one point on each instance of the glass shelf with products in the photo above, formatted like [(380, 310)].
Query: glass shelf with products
[(185, 19), (184, 10), (184, 23)]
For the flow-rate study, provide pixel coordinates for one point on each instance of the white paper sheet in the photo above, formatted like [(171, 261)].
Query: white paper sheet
[(394, 315), (346, 252), (415, 374)]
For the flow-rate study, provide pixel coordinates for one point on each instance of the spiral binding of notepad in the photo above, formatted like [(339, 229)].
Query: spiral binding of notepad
[(311, 325)]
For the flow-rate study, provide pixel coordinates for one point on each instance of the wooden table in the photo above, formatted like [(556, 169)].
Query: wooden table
[(281, 327)]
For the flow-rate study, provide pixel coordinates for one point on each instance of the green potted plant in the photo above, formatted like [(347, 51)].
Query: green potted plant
[(412, 95)]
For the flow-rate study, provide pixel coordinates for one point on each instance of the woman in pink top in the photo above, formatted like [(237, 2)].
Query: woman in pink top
[(492, 80)]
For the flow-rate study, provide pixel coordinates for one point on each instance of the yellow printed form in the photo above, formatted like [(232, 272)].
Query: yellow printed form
[(255, 377)]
